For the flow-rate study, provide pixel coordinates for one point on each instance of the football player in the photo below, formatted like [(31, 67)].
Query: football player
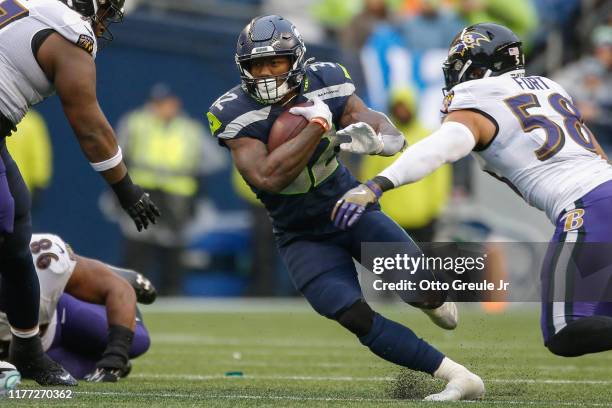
[(300, 181), (49, 46), (88, 316), (526, 131)]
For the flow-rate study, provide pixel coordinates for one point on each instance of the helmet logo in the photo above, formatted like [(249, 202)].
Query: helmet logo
[(468, 41)]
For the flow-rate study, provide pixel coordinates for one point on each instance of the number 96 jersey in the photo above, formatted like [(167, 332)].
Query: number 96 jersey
[(54, 262), (541, 148)]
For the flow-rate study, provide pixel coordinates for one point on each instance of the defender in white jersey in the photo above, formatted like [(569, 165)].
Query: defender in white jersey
[(88, 311), (49, 46), (525, 131)]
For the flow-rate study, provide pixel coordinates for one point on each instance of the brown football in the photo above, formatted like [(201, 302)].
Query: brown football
[(286, 127)]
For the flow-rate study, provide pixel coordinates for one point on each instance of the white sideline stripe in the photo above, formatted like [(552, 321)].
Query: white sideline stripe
[(331, 399), (197, 377)]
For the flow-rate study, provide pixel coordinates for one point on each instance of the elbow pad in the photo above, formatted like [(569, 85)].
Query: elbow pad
[(446, 145)]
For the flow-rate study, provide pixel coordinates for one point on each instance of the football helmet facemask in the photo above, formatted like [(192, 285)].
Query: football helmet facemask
[(480, 51), (266, 37), (112, 12)]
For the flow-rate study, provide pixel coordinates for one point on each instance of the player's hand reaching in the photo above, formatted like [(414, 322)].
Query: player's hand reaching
[(314, 113), (143, 211), (353, 203), (363, 139), (136, 203)]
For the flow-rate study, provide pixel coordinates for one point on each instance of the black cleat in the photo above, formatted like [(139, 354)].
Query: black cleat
[(126, 370), (27, 355), (109, 374), (46, 372), (104, 375), (145, 291)]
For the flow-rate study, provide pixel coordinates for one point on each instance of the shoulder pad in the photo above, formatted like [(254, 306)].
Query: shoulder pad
[(327, 80), (234, 111), (460, 97), (51, 254)]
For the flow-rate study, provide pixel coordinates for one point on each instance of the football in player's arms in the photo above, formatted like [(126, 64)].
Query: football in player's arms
[(300, 180), (525, 131), (89, 320)]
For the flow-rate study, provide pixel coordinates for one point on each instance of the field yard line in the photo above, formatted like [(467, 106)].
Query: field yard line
[(349, 378), (330, 399)]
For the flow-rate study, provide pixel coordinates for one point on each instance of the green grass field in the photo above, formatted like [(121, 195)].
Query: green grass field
[(289, 356)]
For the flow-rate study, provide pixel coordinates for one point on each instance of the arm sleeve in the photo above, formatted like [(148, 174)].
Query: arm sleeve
[(448, 144)]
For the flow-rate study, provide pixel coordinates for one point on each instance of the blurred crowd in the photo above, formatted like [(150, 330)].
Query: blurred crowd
[(394, 50)]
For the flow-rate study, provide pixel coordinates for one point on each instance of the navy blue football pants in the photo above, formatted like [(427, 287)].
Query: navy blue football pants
[(19, 289), (324, 272)]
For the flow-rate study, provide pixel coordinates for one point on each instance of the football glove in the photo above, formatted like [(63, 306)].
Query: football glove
[(319, 109), (143, 211), (136, 202), (353, 203), (364, 139)]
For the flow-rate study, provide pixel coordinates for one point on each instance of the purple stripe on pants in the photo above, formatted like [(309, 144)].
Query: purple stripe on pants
[(577, 270)]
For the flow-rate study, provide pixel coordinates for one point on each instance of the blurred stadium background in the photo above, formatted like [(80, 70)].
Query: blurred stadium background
[(188, 45)]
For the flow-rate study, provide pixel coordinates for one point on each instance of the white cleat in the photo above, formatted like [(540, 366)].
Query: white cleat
[(445, 316), (465, 386)]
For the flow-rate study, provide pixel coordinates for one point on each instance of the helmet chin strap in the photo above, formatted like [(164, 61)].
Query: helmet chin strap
[(465, 68)]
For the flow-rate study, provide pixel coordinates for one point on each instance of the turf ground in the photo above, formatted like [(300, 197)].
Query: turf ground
[(289, 356)]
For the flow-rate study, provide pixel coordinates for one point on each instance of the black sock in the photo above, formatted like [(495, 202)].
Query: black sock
[(586, 335)]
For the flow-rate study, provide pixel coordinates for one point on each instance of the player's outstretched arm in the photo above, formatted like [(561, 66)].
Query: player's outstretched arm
[(367, 131), (94, 282), (458, 135), (274, 171), (73, 72)]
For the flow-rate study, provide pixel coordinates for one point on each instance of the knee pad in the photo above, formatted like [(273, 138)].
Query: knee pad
[(357, 318), (583, 336)]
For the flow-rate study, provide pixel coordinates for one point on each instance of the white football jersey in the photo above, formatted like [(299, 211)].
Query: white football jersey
[(22, 81), (54, 262), (541, 149)]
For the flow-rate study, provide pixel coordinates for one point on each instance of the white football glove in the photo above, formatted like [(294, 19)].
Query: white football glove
[(318, 110), (364, 139)]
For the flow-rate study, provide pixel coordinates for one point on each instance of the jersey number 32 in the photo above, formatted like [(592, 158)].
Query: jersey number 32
[(555, 136)]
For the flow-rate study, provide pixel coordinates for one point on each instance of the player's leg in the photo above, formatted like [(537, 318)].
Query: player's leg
[(81, 337), (20, 292), (335, 293), (145, 291), (576, 313), (84, 329), (375, 226)]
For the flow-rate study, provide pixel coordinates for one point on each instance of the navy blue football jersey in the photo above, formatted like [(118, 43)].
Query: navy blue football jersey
[(304, 206)]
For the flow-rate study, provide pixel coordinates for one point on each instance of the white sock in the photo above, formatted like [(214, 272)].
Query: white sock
[(25, 334), (449, 369)]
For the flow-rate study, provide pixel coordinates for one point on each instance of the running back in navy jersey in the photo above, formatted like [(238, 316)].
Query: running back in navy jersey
[(303, 207)]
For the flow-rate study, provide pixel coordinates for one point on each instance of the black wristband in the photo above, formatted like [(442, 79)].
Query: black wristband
[(117, 350), (384, 183), (126, 191)]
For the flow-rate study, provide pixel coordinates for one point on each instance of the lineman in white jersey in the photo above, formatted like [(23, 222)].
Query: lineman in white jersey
[(87, 311), (47, 46), (526, 132)]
